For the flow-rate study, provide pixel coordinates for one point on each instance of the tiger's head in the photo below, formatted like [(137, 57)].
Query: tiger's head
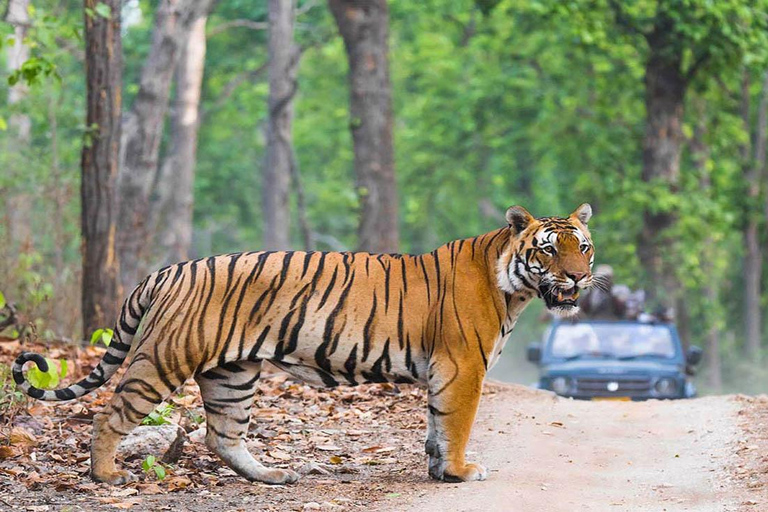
[(549, 256)]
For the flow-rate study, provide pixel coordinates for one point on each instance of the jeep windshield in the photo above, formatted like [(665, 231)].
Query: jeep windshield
[(623, 341)]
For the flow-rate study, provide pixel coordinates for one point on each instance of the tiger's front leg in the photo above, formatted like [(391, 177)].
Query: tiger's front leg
[(454, 395)]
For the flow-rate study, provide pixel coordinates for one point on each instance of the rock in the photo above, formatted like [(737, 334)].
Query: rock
[(313, 468), (30, 424), (198, 436), (165, 442), (312, 505)]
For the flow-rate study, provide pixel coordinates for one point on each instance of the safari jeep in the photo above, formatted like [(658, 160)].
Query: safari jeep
[(614, 360)]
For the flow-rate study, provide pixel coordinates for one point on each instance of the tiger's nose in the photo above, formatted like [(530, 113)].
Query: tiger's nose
[(576, 276)]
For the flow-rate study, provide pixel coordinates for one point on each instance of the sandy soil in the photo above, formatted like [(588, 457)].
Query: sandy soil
[(544, 453), (549, 454)]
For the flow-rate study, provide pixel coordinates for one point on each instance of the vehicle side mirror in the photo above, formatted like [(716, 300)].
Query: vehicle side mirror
[(533, 352), (693, 355)]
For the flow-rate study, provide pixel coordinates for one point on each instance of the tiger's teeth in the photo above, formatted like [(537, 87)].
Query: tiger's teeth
[(576, 295), (560, 296)]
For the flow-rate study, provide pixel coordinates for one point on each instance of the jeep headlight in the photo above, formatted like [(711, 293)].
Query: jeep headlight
[(561, 385), (666, 387)]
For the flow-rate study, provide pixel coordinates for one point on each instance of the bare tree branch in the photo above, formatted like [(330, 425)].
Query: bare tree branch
[(241, 23)]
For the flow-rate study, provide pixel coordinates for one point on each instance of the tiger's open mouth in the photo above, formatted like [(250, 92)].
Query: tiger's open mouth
[(556, 297)]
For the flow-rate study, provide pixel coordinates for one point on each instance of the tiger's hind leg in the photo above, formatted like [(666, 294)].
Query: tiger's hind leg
[(228, 392), (141, 390)]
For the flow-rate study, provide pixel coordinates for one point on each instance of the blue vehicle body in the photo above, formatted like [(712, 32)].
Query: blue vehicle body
[(591, 374)]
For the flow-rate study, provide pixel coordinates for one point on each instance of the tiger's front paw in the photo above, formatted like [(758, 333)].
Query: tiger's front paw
[(467, 473), (454, 473)]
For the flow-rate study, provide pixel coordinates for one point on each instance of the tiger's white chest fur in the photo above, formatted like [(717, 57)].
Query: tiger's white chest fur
[(513, 313)]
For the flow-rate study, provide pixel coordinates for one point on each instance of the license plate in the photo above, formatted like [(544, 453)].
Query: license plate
[(612, 398)]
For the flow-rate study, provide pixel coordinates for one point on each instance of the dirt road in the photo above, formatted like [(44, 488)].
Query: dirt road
[(362, 449), (550, 454)]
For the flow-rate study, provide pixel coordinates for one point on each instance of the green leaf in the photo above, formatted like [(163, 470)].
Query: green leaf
[(3, 124), (103, 10), (159, 471), (148, 463), (96, 336), (2, 300), (64, 368), (102, 335), (159, 416), (44, 380)]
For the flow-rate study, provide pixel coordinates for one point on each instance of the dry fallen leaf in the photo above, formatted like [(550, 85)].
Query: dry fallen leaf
[(118, 503), (279, 455), (122, 493), (177, 483), (151, 488), (22, 437), (7, 452), (126, 504)]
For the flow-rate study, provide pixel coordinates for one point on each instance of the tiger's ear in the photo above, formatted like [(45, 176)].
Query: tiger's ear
[(518, 218), (583, 213)]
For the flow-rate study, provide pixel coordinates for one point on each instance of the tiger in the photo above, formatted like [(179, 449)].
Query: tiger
[(439, 320)]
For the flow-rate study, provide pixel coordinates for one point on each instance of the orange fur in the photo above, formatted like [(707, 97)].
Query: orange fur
[(438, 319)]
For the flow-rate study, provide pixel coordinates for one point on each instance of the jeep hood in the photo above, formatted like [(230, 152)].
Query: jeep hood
[(612, 367)]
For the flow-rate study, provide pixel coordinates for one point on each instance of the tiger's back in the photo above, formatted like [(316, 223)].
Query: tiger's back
[(331, 318)]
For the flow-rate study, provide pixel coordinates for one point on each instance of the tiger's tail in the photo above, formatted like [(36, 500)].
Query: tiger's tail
[(132, 312)]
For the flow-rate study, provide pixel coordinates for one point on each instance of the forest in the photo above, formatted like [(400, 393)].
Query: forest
[(139, 133)]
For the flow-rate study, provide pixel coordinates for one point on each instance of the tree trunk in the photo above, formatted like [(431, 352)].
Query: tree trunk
[(364, 26), (283, 63), (103, 55), (700, 153), (712, 350), (754, 169), (19, 206), (17, 53), (177, 177), (664, 95), (143, 130), (307, 236)]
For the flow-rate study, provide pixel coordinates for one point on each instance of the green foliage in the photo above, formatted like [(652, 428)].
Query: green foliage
[(102, 335), (33, 70), (101, 9), (2, 300), (11, 399), (57, 370), (496, 102), (195, 418), (159, 416), (151, 465), (31, 290)]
